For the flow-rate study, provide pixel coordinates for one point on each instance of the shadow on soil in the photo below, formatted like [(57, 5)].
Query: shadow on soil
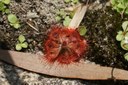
[(10, 72)]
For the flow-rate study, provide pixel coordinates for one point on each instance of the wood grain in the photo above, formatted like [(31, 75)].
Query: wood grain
[(38, 64)]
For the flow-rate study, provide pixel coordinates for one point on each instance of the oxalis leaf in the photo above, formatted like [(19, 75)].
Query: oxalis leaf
[(66, 21), (21, 38), (2, 6), (16, 25), (126, 35), (58, 18), (120, 36), (6, 1), (7, 11), (125, 25), (72, 14), (75, 1), (126, 11), (24, 45), (67, 1), (120, 5), (124, 44), (126, 56), (12, 18), (113, 2), (61, 13), (18, 47), (82, 30)]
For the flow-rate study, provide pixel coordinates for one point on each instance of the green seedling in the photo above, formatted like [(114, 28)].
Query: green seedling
[(64, 17), (3, 6), (67, 1), (82, 30), (21, 43), (126, 56), (71, 14), (122, 36), (6, 1), (75, 1), (13, 20), (71, 1), (11, 17), (58, 18), (60, 15), (66, 21), (120, 6)]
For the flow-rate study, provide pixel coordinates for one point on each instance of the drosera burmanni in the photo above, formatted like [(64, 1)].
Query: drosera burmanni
[(64, 44)]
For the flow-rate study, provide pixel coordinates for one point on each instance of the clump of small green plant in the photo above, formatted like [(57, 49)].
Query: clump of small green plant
[(71, 1), (122, 36), (82, 30), (64, 17), (13, 20), (120, 6), (21, 43), (3, 6)]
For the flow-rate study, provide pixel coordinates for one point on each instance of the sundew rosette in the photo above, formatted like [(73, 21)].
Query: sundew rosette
[(64, 45)]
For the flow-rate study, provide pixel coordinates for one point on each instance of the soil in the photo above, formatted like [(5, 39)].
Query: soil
[(102, 27), (104, 49)]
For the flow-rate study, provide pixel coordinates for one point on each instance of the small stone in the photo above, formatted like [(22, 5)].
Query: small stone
[(32, 14)]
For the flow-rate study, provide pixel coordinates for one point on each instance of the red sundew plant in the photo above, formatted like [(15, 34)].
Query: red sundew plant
[(64, 45)]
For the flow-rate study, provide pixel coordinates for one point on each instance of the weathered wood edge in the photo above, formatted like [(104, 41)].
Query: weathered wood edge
[(38, 64)]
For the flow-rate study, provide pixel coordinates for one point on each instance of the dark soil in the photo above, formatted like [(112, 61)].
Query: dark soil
[(102, 26)]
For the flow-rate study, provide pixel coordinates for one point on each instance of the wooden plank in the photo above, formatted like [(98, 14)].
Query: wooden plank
[(82, 70)]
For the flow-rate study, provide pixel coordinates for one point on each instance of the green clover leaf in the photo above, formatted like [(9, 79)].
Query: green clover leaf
[(18, 47), (21, 38), (124, 44), (6, 1), (82, 30), (125, 25), (24, 45), (120, 36), (66, 21), (12, 18), (126, 56)]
